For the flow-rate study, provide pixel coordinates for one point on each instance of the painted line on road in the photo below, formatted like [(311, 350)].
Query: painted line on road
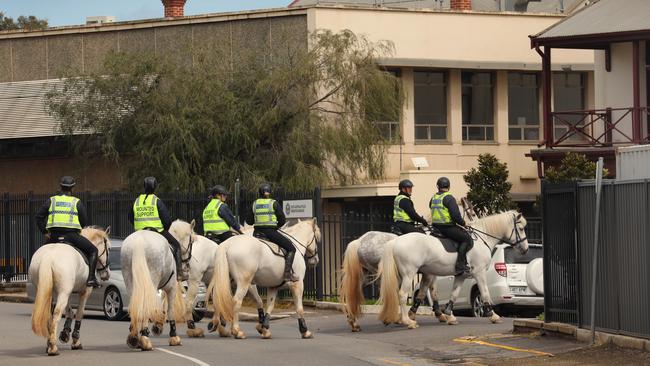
[(195, 360), (393, 362), (514, 349)]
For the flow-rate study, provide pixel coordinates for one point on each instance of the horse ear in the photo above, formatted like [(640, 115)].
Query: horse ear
[(315, 221), (193, 223), (108, 230)]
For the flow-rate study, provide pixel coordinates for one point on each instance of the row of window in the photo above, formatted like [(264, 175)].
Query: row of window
[(431, 101)]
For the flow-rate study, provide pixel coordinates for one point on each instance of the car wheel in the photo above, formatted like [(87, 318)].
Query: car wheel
[(477, 304), (197, 315), (113, 305)]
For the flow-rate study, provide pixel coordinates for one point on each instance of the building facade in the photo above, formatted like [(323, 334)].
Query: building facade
[(472, 83)]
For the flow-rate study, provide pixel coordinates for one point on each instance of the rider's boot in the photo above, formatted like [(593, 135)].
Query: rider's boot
[(462, 268), (92, 267), (289, 276), (180, 276)]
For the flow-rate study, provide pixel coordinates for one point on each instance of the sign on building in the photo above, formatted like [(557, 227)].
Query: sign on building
[(298, 209)]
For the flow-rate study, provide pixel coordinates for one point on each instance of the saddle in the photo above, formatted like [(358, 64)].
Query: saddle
[(61, 240), (275, 249), (450, 245)]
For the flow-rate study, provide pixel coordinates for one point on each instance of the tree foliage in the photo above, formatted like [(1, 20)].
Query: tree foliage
[(297, 117), (27, 23), (488, 184), (573, 167)]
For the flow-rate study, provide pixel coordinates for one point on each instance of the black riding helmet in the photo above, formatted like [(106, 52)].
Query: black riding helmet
[(406, 183), (150, 185), (67, 182), (264, 188), (218, 189), (443, 182)]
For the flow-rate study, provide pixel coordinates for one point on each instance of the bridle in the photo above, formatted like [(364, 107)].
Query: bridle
[(187, 252), (306, 247), (106, 252), (518, 238)]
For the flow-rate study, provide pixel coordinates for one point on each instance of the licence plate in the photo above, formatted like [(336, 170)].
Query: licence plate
[(518, 290)]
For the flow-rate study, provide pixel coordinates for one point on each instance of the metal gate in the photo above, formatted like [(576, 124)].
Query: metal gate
[(561, 301)]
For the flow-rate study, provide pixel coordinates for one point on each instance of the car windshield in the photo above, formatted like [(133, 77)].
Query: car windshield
[(513, 256), (114, 258)]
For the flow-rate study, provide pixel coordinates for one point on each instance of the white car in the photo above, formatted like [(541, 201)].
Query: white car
[(113, 299), (514, 281)]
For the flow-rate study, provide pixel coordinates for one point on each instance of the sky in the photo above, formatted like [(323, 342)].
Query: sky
[(67, 12)]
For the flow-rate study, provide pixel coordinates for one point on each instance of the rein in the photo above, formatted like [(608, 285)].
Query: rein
[(106, 252), (518, 238), (306, 247)]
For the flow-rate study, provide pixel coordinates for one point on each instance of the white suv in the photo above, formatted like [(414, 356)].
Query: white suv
[(514, 281)]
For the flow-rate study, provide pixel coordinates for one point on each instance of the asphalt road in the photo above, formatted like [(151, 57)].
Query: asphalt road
[(431, 344)]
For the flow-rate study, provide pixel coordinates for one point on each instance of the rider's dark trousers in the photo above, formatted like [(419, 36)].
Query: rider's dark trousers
[(277, 238), (221, 237), (455, 233), (172, 241), (407, 227), (74, 238)]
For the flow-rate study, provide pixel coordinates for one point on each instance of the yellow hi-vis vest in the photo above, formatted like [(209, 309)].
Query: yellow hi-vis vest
[(398, 213), (145, 213), (440, 213), (264, 213), (212, 222), (63, 213)]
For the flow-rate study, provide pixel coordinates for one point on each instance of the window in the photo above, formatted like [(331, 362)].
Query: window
[(523, 106), (568, 96), (387, 117), (430, 105), (478, 108)]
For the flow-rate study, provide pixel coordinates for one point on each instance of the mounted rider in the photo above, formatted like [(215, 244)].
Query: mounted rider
[(218, 220), (446, 217), (267, 218), (61, 218), (404, 215), (150, 213)]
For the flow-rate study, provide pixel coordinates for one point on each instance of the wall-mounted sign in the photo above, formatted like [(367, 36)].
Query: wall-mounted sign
[(298, 209)]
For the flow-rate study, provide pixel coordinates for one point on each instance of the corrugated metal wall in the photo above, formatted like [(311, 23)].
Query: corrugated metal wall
[(623, 275), (633, 162)]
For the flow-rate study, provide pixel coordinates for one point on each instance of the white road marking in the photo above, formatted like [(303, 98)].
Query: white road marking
[(195, 360)]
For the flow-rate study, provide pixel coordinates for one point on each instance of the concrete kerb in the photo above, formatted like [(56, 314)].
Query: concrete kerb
[(581, 335), (365, 309)]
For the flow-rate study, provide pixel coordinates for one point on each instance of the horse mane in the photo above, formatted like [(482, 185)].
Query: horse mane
[(498, 222), (95, 232)]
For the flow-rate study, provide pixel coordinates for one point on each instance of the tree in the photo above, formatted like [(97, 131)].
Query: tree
[(299, 117), (27, 23), (488, 184), (573, 167)]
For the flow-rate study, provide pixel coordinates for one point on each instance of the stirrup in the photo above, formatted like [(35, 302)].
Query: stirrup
[(93, 283)]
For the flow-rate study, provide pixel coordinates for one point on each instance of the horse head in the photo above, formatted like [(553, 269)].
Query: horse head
[(100, 239), (184, 232)]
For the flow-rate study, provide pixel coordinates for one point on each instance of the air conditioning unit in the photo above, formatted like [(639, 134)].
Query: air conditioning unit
[(100, 20)]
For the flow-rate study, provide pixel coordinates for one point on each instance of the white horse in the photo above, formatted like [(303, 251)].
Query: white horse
[(412, 253), (62, 269), (148, 265), (248, 260), (360, 266), (204, 254)]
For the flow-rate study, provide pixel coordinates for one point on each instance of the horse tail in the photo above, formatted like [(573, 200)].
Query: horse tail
[(144, 305), (179, 304), (42, 312), (389, 291), (351, 290), (219, 288)]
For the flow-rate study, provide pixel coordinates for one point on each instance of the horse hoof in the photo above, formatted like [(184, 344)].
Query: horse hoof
[(239, 335), (266, 334), (442, 318), (55, 352), (175, 341), (195, 333), (411, 315), (76, 346), (132, 341), (495, 319), (259, 328), (157, 329), (452, 320), (145, 344), (307, 335), (356, 328), (413, 325), (64, 337)]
